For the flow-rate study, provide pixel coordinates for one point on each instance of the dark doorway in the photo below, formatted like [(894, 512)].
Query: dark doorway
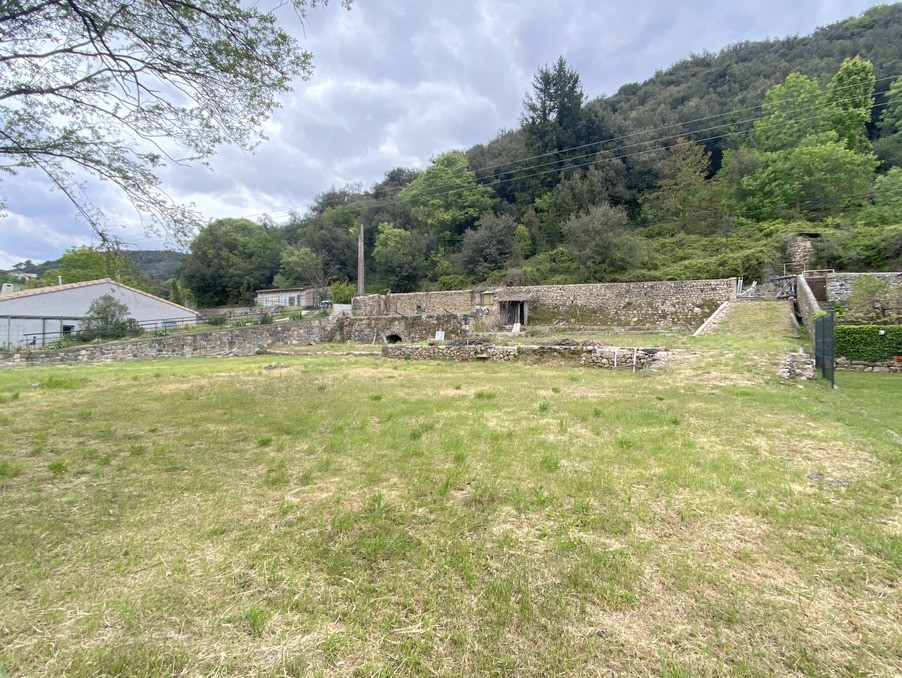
[(513, 312), (818, 288)]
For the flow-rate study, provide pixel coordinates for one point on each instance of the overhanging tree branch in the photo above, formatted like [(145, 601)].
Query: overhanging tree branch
[(111, 89)]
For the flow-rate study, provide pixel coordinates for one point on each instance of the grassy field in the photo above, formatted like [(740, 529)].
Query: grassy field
[(339, 515)]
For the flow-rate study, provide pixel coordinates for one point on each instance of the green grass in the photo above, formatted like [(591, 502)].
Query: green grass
[(212, 517)]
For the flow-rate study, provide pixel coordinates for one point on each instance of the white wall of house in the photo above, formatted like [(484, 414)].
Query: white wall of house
[(40, 316)]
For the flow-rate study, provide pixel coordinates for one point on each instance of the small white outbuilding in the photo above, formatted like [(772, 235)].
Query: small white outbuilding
[(43, 315), (303, 297)]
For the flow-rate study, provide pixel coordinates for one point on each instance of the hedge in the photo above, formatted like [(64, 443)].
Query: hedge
[(869, 343)]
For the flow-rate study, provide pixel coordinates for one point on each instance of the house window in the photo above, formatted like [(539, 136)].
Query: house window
[(68, 330)]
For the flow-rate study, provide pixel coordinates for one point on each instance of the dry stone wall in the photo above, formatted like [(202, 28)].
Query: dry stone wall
[(216, 343), (805, 302), (654, 304), (839, 285), (380, 329), (588, 356), (416, 303), (797, 366), (894, 366), (800, 253), (679, 303), (243, 341)]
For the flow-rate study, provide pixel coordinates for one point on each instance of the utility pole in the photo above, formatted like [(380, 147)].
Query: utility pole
[(360, 261)]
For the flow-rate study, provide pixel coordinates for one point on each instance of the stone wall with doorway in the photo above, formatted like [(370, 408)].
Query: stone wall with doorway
[(677, 303)]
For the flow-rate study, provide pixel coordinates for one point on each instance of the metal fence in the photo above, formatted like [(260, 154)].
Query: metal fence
[(825, 346), (41, 339)]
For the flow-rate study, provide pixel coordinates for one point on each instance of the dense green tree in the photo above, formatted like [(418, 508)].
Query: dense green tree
[(498, 163), (891, 117), (107, 89), (552, 117), (888, 146), (399, 258), (230, 260), (446, 196), (553, 125), (791, 112), (525, 245), (600, 243), (79, 264), (886, 202), (332, 235), (602, 182), (175, 292), (300, 267), (737, 164), (849, 100), (817, 179), (489, 246), (384, 205), (685, 197)]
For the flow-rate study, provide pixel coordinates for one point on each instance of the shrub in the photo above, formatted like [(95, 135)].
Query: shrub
[(343, 292), (868, 342), (451, 282), (871, 295), (107, 318)]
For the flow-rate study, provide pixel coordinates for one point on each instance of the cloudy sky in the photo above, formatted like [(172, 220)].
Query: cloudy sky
[(400, 81)]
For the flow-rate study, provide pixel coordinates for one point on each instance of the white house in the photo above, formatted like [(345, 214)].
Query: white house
[(39, 316), (304, 297)]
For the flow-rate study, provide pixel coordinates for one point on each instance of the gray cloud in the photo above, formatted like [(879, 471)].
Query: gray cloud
[(398, 82)]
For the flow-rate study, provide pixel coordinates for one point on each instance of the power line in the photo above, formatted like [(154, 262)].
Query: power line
[(369, 202)]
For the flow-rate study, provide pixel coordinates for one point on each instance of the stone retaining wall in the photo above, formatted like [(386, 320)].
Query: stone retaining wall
[(380, 329), (678, 303), (232, 342), (839, 285), (416, 303), (587, 356), (797, 366), (806, 303), (241, 341), (894, 366)]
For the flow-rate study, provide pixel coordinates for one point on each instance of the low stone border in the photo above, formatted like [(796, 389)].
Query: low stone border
[(894, 366), (607, 357), (797, 366)]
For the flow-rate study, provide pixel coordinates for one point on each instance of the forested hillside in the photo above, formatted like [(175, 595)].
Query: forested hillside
[(704, 170)]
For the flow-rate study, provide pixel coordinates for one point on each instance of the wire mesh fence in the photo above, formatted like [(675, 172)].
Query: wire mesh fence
[(825, 346)]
